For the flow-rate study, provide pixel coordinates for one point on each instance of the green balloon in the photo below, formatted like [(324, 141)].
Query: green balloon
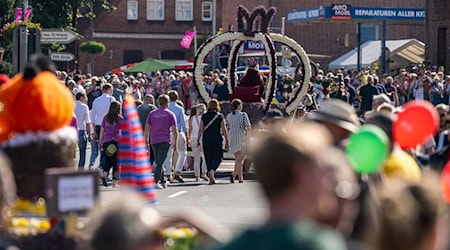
[(367, 149)]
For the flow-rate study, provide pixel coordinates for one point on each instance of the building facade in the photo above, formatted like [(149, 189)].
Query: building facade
[(140, 29), (439, 33)]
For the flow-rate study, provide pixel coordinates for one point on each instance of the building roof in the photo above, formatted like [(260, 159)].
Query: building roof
[(402, 53)]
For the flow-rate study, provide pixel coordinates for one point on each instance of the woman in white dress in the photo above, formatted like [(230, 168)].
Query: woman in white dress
[(239, 133), (194, 124)]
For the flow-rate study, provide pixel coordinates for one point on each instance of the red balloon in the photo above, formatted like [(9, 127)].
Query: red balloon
[(415, 124), (445, 182)]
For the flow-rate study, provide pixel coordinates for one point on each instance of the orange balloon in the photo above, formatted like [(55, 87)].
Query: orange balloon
[(445, 182), (415, 124)]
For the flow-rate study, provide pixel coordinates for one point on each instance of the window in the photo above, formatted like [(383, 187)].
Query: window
[(132, 56), (155, 10), (184, 10), (206, 11), (132, 10)]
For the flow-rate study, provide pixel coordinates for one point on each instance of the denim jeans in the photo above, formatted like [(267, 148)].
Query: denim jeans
[(95, 149), (82, 142), (160, 150)]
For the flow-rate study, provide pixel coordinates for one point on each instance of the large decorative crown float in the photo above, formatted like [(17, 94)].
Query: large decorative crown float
[(248, 31)]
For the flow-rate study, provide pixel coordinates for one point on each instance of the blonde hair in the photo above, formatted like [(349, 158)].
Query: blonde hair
[(201, 108)]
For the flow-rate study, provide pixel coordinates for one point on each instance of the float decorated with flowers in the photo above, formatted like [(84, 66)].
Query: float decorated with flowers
[(256, 95)]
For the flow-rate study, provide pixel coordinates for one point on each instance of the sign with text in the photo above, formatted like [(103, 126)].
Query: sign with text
[(341, 12), (348, 12), (62, 57), (49, 36), (388, 13), (254, 46), (69, 191), (304, 15)]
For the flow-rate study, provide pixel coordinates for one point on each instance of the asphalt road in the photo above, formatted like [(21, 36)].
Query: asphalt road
[(233, 207)]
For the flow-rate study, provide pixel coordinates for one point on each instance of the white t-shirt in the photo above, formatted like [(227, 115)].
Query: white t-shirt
[(419, 93)]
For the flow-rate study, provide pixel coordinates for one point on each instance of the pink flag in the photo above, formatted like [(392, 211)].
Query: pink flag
[(19, 14), (187, 39)]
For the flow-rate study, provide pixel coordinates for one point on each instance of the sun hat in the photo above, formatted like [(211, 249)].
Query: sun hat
[(338, 112)]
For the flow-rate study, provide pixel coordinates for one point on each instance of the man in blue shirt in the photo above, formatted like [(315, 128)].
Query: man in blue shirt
[(182, 139)]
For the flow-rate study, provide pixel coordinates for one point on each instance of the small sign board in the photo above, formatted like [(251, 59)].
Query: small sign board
[(49, 36), (341, 12), (62, 57), (69, 191)]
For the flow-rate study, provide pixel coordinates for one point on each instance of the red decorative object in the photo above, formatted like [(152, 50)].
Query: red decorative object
[(246, 94), (415, 124)]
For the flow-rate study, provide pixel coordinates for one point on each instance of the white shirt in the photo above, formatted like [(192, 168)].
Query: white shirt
[(419, 93), (196, 120), (82, 114), (100, 108)]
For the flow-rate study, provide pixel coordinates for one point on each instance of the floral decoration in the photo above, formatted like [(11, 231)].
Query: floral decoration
[(180, 238), (8, 28), (206, 47), (306, 75), (289, 85)]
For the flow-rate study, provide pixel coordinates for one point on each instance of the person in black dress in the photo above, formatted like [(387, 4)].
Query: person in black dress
[(212, 132)]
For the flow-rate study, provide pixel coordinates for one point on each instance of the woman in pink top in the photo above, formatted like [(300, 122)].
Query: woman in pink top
[(109, 136)]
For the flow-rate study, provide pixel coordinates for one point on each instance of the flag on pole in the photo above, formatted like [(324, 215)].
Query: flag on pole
[(134, 161), (19, 14), (187, 39)]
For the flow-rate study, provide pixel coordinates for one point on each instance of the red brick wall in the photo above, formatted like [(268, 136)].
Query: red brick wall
[(322, 38), (438, 16)]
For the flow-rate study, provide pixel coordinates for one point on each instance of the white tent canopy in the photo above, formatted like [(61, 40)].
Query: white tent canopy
[(402, 53)]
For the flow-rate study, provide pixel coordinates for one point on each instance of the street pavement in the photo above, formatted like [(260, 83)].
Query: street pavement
[(233, 207)]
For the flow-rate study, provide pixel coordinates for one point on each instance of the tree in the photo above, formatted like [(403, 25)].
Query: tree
[(92, 48)]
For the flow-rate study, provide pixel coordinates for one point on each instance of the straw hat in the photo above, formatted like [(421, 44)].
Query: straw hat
[(339, 113)]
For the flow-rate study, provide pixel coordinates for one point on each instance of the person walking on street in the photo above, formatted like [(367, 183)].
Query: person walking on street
[(239, 130), (211, 132), (84, 126), (194, 125), (143, 111), (160, 123), (109, 136), (100, 108), (182, 139)]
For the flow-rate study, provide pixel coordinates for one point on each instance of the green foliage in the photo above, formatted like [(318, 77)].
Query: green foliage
[(6, 68), (93, 47), (201, 38)]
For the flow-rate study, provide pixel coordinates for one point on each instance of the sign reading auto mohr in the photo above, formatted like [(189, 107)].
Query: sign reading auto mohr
[(341, 12), (57, 36)]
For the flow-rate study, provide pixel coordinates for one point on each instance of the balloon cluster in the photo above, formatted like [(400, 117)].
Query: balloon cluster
[(368, 148)]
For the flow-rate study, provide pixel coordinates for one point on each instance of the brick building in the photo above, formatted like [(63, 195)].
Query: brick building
[(439, 32), (140, 29)]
